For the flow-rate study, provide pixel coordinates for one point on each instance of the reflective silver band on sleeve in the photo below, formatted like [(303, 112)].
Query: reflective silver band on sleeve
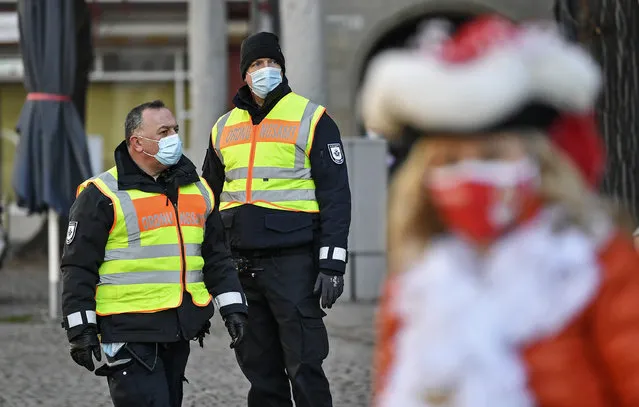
[(75, 319), (91, 318), (229, 298), (339, 253)]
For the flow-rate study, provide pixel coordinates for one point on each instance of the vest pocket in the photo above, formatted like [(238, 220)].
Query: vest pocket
[(290, 229), (227, 218), (287, 223)]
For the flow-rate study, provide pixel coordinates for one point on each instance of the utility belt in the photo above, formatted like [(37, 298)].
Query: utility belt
[(246, 260)]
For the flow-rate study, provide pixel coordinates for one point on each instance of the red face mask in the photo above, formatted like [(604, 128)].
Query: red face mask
[(480, 200)]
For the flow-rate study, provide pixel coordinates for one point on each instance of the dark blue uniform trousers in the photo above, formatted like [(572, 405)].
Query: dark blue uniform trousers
[(147, 374), (286, 341)]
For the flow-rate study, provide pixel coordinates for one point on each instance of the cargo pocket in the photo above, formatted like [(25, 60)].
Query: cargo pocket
[(123, 378), (314, 334)]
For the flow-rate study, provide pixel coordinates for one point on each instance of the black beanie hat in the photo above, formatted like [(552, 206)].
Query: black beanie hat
[(260, 45)]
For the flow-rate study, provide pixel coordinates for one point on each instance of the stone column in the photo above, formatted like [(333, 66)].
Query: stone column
[(302, 40), (208, 62)]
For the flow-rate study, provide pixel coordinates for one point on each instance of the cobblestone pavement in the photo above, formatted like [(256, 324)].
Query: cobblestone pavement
[(36, 370)]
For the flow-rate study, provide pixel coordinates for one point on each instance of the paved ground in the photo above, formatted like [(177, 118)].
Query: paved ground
[(35, 369)]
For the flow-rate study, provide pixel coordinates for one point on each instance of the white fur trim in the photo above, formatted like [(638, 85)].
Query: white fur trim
[(564, 74), (417, 88), (466, 317), (406, 88)]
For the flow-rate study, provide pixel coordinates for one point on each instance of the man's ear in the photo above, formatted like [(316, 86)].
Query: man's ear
[(135, 144)]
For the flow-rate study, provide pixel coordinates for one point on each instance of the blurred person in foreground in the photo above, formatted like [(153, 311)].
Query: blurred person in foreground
[(144, 261), (277, 163), (510, 283)]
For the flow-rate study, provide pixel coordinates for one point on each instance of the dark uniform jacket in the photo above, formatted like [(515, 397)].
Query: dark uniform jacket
[(84, 252), (253, 227)]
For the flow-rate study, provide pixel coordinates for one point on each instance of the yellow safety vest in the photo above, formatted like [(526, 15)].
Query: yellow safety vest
[(268, 164), (154, 251)]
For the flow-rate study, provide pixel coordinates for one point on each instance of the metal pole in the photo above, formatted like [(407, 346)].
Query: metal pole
[(178, 90), (1, 161), (254, 16), (265, 20), (208, 60), (54, 262), (303, 47), (274, 6), (4, 216)]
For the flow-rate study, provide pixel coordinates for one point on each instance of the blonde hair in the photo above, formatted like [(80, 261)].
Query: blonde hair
[(413, 221)]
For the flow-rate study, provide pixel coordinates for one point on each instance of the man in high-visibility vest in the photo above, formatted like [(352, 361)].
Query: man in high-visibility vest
[(277, 164), (145, 260)]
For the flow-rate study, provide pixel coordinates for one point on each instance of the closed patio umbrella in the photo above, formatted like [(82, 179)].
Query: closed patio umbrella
[(52, 157)]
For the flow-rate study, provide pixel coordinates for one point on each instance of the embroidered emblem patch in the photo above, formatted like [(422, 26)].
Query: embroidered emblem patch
[(73, 227), (335, 150)]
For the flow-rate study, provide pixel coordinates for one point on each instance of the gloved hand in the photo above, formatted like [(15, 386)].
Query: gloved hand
[(203, 332), (330, 287), (235, 324), (84, 347)]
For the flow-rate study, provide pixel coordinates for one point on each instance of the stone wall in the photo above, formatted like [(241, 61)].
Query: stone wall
[(353, 27)]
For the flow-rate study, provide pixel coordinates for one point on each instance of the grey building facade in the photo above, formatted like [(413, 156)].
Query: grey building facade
[(355, 30), (140, 41)]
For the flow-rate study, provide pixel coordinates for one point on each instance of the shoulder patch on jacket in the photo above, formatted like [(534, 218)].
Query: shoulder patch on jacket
[(73, 227), (335, 150)]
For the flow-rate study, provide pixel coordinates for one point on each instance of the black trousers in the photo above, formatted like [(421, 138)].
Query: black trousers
[(147, 374), (286, 341)]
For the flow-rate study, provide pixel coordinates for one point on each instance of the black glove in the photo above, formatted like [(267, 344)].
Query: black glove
[(203, 332), (330, 286), (235, 324), (84, 346)]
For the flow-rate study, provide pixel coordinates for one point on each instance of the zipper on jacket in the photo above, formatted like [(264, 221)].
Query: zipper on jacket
[(249, 176), (181, 240)]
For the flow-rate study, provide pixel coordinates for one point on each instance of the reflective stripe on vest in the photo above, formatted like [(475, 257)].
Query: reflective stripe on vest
[(143, 268), (268, 164)]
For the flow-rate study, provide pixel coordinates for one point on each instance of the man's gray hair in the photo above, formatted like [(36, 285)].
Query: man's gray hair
[(133, 119)]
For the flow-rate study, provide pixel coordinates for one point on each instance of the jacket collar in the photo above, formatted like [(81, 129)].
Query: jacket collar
[(130, 176), (244, 100)]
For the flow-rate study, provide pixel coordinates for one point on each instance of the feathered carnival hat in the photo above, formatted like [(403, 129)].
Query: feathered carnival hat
[(491, 75)]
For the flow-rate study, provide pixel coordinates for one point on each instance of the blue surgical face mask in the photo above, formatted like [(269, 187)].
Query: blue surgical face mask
[(170, 149), (265, 80)]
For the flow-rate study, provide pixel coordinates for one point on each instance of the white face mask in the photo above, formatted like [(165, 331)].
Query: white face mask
[(265, 80), (169, 151)]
